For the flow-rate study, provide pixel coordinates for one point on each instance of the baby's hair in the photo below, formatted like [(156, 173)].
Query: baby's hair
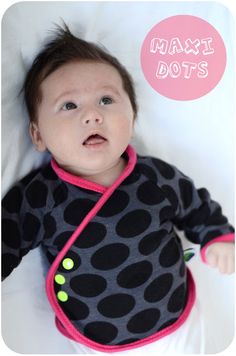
[(62, 49)]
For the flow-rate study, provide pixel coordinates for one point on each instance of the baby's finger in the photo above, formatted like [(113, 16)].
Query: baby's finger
[(223, 264), (212, 259), (230, 267)]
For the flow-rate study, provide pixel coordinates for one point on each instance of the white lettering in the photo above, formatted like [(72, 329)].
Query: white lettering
[(191, 46), (174, 70), (208, 50), (162, 70), (189, 66), (202, 67), (175, 46), (186, 69), (158, 43), (162, 46)]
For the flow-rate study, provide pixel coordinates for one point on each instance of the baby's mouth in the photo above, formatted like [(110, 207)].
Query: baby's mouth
[(94, 140)]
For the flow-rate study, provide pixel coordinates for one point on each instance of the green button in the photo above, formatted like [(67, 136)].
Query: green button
[(59, 279), (68, 263), (62, 296)]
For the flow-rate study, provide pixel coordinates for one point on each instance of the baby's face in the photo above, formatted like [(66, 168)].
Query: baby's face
[(85, 118)]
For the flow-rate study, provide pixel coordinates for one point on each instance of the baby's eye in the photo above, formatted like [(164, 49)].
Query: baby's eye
[(106, 100), (69, 106)]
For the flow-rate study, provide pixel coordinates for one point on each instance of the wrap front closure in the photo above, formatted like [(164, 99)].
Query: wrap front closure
[(50, 277), (63, 323)]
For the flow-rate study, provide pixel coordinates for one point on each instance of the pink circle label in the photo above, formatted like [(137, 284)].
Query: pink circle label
[(183, 57)]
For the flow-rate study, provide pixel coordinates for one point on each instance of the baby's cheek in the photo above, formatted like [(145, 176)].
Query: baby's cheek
[(126, 126)]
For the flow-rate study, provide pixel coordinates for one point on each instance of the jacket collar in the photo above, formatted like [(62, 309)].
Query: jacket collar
[(84, 183)]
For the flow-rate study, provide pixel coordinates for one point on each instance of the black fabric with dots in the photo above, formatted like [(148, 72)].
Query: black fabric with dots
[(124, 278)]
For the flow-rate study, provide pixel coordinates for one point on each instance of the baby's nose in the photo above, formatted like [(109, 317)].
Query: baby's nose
[(92, 116)]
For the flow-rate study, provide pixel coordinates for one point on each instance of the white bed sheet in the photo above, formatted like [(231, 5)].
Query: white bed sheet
[(197, 136)]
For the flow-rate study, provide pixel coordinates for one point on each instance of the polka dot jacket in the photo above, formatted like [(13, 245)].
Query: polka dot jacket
[(117, 278)]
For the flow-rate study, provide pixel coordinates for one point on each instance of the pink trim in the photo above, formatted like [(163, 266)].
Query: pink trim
[(62, 329), (62, 322), (76, 180), (106, 194), (223, 238), (157, 336), (73, 334)]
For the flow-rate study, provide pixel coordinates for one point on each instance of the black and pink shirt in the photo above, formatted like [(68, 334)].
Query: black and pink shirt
[(118, 279)]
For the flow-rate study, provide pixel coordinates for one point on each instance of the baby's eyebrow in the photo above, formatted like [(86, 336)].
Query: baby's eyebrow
[(109, 87), (71, 92), (66, 93)]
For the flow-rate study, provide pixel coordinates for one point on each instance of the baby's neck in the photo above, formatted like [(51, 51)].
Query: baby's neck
[(108, 177)]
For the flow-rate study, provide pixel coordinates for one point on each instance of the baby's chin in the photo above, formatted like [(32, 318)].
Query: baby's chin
[(84, 170), (106, 168), (84, 165)]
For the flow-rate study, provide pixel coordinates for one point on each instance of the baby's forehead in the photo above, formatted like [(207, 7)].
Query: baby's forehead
[(83, 74), (84, 68)]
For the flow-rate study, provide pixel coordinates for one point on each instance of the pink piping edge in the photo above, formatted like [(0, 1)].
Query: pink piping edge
[(61, 319), (75, 180), (157, 336), (62, 322), (224, 238)]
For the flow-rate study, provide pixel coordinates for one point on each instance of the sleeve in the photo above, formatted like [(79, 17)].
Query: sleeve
[(200, 217), (22, 230)]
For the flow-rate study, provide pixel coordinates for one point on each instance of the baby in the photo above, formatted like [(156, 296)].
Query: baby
[(105, 216)]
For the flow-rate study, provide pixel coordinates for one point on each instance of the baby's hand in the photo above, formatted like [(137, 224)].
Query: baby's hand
[(221, 256)]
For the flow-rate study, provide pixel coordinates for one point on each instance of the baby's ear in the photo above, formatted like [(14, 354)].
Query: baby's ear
[(36, 137)]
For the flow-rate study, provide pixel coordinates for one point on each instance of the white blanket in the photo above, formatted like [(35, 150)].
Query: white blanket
[(196, 136)]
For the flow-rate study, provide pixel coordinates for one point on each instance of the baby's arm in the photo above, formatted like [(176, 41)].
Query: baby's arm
[(22, 229), (199, 216), (221, 255)]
